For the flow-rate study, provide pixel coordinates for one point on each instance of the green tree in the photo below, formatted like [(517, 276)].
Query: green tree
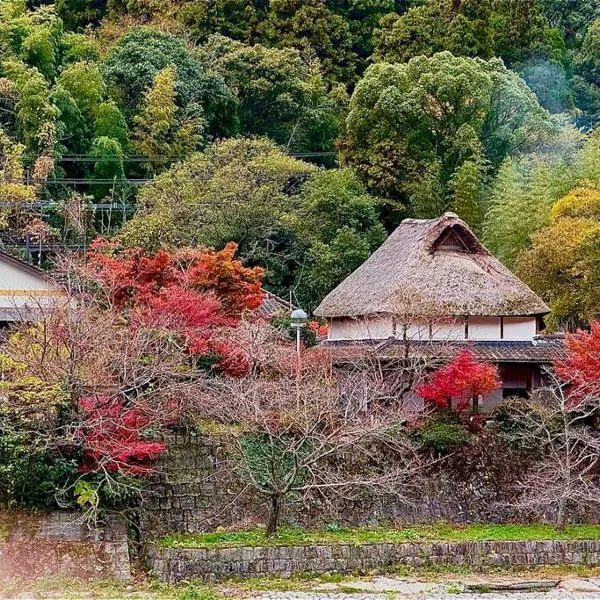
[(337, 229), (363, 17), (78, 14), (469, 191), (78, 47), (132, 65), (36, 116), (236, 19), (72, 128), (236, 190), (586, 64), (110, 122), (31, 36), (571, 17), (107, 154), (549, 81), (159, 133), (410, 126), (312, 28), (563, 263), (12, 188), (514, 31), (280, 95), (83, 80), (527, 187)]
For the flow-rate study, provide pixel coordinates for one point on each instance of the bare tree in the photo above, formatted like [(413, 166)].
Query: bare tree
[(561, 434), (297, 424)]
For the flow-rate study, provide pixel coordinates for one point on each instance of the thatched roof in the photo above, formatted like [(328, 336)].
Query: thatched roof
[(432, 267)]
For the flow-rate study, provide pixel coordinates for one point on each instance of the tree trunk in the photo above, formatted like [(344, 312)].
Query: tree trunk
[(274, 510), (560, 517)]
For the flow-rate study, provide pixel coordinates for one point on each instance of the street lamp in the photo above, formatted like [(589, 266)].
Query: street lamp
[(299, 318)]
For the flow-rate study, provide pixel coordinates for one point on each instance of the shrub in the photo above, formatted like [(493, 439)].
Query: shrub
[(442, 435)]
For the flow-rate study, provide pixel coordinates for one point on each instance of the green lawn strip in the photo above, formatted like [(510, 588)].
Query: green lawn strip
[(441, 532)]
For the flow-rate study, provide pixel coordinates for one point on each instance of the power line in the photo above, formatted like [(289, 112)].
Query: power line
[(41, 204), (76, 158), (78, 180), (163, 157)]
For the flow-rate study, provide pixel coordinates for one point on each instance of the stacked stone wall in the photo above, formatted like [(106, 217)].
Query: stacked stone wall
[(60, 543), (176, 564), (198, 490)]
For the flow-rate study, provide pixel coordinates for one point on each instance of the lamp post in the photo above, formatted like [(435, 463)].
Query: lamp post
[(298, 321), (299, 318)]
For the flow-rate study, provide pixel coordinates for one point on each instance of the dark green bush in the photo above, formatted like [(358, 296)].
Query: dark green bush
[(442, 434), (30, 476)]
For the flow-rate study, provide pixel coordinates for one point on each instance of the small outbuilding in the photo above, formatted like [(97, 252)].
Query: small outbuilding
[(434, 286), (25, 290)]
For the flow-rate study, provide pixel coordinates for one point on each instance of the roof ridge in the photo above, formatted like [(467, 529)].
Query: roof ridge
[(406, 271)]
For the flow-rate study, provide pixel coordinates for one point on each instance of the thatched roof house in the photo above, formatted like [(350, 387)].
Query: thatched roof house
[(433, 266), (433, 287)]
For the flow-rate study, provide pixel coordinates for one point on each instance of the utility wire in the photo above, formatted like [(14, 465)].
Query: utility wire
[(141, 158)]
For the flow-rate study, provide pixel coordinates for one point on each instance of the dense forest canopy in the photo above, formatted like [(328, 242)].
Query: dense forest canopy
[(305, 130)]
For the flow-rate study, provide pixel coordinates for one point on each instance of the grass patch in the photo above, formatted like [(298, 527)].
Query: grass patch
[(59, 588), (441, 532), (62, 588)]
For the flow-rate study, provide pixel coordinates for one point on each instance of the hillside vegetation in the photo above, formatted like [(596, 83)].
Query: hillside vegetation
[(305, 130)]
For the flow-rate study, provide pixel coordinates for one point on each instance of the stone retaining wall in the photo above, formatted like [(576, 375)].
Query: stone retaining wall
[(197, 490), (176, 564), (61, 543)]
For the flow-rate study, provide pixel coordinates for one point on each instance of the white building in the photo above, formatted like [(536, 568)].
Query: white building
[(24, 290)]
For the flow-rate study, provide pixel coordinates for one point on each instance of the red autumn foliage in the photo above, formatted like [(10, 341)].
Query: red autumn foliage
[(320, 330), (238, 287), (112, 436), (461, 379), (581, 367), (132, 276), (129, 275), (195, 292)]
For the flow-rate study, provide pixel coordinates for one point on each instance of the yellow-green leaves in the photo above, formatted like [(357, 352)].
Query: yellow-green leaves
[(563, 263)]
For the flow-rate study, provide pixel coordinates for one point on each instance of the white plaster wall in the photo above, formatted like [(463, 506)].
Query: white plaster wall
[(484, 328), (13, 278), (414, 331), (21, 290), (451, 330), (519, 328), (361, 329)]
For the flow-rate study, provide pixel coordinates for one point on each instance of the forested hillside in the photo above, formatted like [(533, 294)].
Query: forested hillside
[(305, 130)]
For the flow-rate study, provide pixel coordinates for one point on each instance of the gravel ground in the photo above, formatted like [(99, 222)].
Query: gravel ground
[(397, 596), (391, 588)]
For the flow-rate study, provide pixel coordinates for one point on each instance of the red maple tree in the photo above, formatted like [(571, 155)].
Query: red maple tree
[(197, 293), (581, 366), (112, 436), (461, 379), (131, 276)]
